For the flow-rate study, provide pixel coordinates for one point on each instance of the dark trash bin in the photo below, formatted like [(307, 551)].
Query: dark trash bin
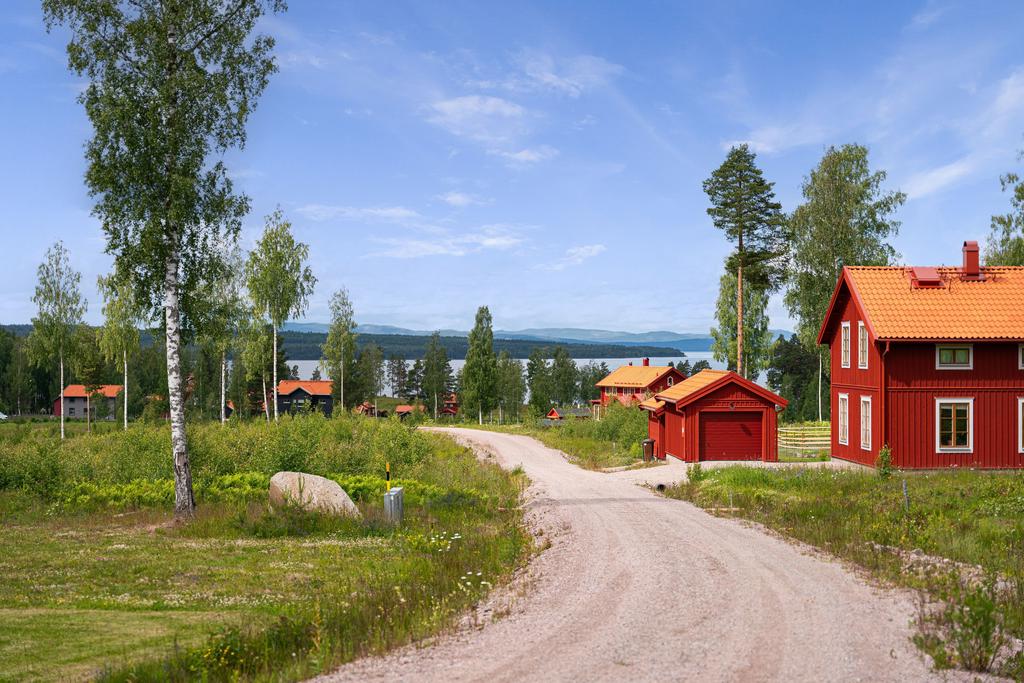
[(648, 445)]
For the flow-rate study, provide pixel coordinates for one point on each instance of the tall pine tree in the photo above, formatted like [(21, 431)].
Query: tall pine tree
[(480, 371)]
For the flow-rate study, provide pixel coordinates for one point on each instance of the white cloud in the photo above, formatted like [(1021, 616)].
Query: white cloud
[(479, 117), (934, 179), (570, 76), (526, 156), (326, 212), (928, 15), (772, 139), (488, 237), (574, 256), (460, 199)]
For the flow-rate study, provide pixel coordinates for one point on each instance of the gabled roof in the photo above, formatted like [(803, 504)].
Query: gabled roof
[(651, 404), (707, 381), (78, 390), (318, 387), (989, 308), (638, 376)]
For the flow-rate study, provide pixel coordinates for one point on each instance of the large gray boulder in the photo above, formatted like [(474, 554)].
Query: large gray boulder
[(310, 492)]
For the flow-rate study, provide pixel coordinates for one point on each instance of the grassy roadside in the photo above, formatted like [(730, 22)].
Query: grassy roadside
[(955, 537), (613, 441), (92, 560)]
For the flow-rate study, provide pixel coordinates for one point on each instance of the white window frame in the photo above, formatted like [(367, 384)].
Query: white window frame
[(844, 344), (1020, 425), (844, 420), (1020, 357), (671, 380), (970, 356), (866, 446), (970, 425), (862, 345)]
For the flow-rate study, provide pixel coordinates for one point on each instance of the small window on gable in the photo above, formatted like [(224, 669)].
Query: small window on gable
[(862, 346), (954, 357), (845, 341), (671, 380)]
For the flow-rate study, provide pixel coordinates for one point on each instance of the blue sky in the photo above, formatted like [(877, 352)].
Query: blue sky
[(546, 159)]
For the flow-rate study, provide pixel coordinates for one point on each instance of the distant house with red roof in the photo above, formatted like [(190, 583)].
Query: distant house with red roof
[(929, 361), (77, 401), (633, 383), (298, 395)]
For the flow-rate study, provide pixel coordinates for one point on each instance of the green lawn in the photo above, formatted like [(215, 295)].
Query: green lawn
[(99, 585), (974, 518)]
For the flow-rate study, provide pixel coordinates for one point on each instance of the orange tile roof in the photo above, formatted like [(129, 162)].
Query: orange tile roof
[(634, 376), (652, 404), (318, 387), (692, 384), (78, 390), (992, 308)]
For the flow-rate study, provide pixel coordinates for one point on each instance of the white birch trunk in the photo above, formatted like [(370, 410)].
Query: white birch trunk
[(62, 410), (819, 385), (184, 499), (275, 374), (124, 398), (266, 405), (223, 371), (480, 413)]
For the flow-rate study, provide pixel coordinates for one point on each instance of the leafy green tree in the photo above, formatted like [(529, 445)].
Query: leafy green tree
[(60, 311), (437, 372), (725, 340), (397, 372), (792, 374), (413, 387), (538, 380), (479, 372), (564, 377), (590, 375), (743, 206), (88, 367), (280, 283), (19, 384), (171, 84), (846, 219), (256, 353), (1006, 240), (511, 386), (222, 315), (119, 335), (683, 366), (338, 350), (700, 365), (370, 370)]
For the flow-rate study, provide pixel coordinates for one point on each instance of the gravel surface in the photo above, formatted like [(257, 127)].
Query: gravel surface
[(639, 587)]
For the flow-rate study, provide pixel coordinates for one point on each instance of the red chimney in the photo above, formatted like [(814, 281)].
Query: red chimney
[(647, 361), (972, 266)]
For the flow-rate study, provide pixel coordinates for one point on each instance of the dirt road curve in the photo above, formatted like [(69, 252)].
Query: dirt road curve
[(638, 587)]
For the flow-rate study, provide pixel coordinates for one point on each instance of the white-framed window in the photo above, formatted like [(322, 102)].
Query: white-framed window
[(622, 391), (954, 357), (954, 425), (71, 412), (844, 419), (865, 423), (862, 346), (1020, 425), (671, 380), (845, 335), (1020, 357)]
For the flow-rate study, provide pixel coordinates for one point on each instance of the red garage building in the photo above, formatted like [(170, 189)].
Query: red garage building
[(715, 415), (631, 384), (929, 361)]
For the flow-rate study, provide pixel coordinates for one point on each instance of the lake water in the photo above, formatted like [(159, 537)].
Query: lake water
[(306, 367)]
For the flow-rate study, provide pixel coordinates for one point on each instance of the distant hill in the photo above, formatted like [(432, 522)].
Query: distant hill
[(306, 346)]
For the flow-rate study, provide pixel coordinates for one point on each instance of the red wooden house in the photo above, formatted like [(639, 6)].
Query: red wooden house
[(715, 415), (929, 361), (633, 383)]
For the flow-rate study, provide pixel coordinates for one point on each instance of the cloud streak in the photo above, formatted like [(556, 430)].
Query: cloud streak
[(488, 237), (574, 256)]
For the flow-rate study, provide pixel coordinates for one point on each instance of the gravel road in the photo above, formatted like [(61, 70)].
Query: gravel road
[(639, 587)]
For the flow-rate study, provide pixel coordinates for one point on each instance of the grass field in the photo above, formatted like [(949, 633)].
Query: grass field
[(972, 608), (100, 581)]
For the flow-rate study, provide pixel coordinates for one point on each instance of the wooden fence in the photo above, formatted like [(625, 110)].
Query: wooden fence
[(805, 439)]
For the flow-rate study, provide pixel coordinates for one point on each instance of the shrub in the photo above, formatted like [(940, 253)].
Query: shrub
[(883, 463)]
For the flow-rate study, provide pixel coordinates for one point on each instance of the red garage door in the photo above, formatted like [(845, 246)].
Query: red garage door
[(730, 436)]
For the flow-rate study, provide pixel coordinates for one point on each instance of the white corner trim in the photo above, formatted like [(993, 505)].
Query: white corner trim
[(970, 424), (970, 362)]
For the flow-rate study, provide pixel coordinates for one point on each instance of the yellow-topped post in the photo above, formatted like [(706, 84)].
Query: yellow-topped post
[(387, 475)]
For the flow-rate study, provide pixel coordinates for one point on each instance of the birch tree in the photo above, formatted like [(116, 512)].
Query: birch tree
[(480, 371), (338, 349), (61, 308), (279, 281), (119, 335), (170, 86), (222, 317)]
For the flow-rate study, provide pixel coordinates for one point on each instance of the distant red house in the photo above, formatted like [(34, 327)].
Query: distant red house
[(633, 383), (451, 405), (929, 361), (715, 415), (563, 413), (77, 400)]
